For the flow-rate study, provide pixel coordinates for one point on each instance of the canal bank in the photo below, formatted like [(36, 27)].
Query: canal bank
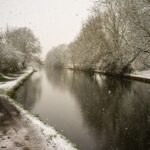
[(14, 81), (21, 130), (143, 76)]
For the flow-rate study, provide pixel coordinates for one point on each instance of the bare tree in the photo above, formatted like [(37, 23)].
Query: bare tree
[(115, 38)]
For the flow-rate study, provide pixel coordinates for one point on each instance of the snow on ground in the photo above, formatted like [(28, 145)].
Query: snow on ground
[(9, 85), (137, 75), (141, 74)]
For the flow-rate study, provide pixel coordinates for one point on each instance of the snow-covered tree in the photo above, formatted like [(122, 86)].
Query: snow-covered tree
[(18, 47), (24, 41)]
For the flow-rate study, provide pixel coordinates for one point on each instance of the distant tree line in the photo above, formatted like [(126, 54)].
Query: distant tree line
[(115, 38), (18, 48), (56, 56)]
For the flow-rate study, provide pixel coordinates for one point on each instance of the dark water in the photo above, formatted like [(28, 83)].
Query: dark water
[(95, 112)]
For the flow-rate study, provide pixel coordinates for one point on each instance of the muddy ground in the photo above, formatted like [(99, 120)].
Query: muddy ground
[(17, 132)]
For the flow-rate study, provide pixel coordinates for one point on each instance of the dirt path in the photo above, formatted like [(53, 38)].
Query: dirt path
[(16, 132)]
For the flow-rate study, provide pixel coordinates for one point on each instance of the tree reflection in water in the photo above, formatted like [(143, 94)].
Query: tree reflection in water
[(116, 112), (30, 92)]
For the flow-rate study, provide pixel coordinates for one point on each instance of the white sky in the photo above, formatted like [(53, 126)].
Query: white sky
[(52, 21)]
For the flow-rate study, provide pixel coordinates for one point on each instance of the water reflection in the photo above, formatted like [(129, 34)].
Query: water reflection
[(30, 92), (95, 112)]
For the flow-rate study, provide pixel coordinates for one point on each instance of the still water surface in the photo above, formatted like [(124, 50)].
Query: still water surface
[(95, 112)]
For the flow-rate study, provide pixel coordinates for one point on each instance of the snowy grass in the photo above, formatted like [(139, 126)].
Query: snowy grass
[(3, 78), (10, 86)]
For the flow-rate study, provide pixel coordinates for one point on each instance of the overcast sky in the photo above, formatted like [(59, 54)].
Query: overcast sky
[(53, 21)]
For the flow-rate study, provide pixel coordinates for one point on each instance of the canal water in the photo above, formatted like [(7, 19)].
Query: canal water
[(95, 112)]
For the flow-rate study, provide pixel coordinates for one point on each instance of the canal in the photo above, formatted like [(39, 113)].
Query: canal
[(94, 111)]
